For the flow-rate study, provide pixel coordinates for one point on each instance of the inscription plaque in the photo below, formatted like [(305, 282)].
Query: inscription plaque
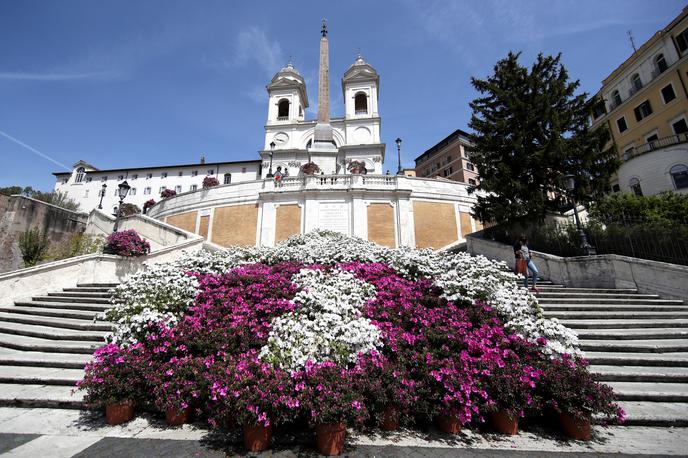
[(334, 217)]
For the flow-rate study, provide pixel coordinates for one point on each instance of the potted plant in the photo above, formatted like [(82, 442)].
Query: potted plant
[(357, 168), (126, 243), (569, 388), (209, 182), (114, 379), (332, 398), (179, 383), (147, 205), (167, 193), (310, 168), (510, 387)]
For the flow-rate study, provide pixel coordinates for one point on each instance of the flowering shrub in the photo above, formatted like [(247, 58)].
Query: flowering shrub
[(209, 182), (115, 375), (167, 193), (178, 383), (126, 243), (148, 204), (310, 168)]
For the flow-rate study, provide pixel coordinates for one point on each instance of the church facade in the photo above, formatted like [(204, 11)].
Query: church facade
[(327, 174)]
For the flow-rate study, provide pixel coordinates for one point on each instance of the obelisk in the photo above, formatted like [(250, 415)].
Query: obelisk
[(324, 151)]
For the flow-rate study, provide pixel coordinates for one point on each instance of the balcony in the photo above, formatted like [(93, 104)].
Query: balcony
[(333, 182), (655, 145)]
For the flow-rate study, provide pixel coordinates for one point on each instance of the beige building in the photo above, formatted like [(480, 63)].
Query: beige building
[(644, 103), (448, 159)]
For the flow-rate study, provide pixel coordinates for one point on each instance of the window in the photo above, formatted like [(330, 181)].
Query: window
[(194, 187), (162, 188), (134, 176), (211, 171), (243, 170), (80, 173), (598, 110), (120, 178), (283, 110), (679, 173), (682, 40), (178, 189), (149, 175), (361, 103), (146, 191), (228, 178), (181, 174), (470, 166), (668, 93), (636, 82), (621, 124), (89, 179), (643, 110), (103, 178), (132, 192), (652, 137), (65, 180), (471, 181), (680, 126), (661, 64), (616, 98), (163, 175), (616, 188), (634, 183), (628, 153), (194, 173)]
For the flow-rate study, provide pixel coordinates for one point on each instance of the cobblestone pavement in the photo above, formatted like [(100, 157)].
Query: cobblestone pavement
[(63, 433)]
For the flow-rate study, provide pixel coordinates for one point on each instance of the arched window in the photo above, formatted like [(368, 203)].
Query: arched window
[(80, 173), (616, 98), (679, 173), (661, 63), (228, 178), (634, 183), (636, 82), (361, 103), (283, 110)]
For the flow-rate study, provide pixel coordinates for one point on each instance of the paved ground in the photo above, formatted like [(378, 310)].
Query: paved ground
[(26, 432)]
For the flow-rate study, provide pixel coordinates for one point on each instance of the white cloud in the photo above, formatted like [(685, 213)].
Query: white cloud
[(254, 47)]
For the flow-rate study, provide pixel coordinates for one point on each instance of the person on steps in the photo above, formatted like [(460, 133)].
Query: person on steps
[(523, 255)]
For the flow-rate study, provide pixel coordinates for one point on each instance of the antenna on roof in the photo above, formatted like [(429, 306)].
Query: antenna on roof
[(630, 37)]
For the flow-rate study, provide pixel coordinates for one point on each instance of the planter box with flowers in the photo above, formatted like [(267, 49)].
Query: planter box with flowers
[(210, 182), (310, 168), (126, 243), (357, 168), (339, 331), (167, 193)]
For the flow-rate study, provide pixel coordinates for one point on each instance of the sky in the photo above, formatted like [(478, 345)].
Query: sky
[(134, 83)]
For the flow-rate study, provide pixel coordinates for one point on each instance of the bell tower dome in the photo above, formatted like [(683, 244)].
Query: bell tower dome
[(288, 99)]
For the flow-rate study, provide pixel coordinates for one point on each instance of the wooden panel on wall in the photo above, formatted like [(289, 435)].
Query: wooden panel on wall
[(235, 225), (434, 224), (381, 224), (203, 227), (185, 221), (287, 222), (465, 224)]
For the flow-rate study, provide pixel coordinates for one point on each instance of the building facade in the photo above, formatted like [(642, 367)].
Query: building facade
[(448, 159), (644, 103)]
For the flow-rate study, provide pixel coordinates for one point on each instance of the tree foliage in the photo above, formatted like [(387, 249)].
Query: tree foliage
[(34, 246), (531, 129), (665, 208), (57, 198)]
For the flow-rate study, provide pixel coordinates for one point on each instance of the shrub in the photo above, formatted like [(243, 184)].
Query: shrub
[(209, 182), (76, 245), (179, 383), (116, 374), (126, 243), (667, 207), (57, 198), (34, 246), (129, 209), (149, 203), (167, 193)]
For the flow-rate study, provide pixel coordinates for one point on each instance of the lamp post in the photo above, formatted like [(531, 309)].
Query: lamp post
[(102, 194), (122, 191), (570, 183), (399, 171), (272, 151)]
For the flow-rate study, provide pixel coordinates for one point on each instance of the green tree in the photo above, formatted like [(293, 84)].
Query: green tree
[(33, 246), (531, 129), (57, 198)]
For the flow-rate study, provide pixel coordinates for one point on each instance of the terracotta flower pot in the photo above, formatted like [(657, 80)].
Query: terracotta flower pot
[(390, 418), (575, 428), (257, 437), (116, 414), (330, 438), (176, 417), (503, 423), (449, 424)]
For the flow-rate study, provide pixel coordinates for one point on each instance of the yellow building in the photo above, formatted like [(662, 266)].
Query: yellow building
[(644, 103)]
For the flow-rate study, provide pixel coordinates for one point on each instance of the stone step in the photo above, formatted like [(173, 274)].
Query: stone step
[(591, 295), (96, 285), (609, 300), (47, 332), (89, 289), (564, 290), (64, 306), (633, 334), (645, 413), (635, 346), (10, 357), (643, 391), (637, 359), (624, 324), (40, 375), (81, 294), (640, 374), (34, 344), (83, 315), (607, 315), (40, 395), (56, 322), (612, 307), (72, 300)]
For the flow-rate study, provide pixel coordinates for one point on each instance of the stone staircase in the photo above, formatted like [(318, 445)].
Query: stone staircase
[(637, 343), (45, 342)]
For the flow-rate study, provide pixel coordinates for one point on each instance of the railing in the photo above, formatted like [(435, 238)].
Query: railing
[(283, 118), (335, 182), (655, 145), (360, 112)]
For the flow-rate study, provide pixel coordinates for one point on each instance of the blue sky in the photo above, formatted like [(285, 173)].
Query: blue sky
[(148, 82)]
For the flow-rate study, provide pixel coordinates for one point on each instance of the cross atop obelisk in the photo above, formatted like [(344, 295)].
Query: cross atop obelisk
[(323, 130)]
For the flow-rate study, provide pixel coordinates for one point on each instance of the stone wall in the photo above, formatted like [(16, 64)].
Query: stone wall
[(381, 224), (435, 224), (235, 225), (19, 213), (287, 221)]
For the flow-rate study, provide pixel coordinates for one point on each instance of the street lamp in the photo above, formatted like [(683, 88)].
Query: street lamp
[(102, 194), (399, 171), (570, 184), (272, 151), (122, 191)]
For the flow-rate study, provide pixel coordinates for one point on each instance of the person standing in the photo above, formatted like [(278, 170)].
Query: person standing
[(525, 262)]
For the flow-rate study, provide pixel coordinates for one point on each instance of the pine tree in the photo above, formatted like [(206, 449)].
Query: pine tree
[(531, 129)]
